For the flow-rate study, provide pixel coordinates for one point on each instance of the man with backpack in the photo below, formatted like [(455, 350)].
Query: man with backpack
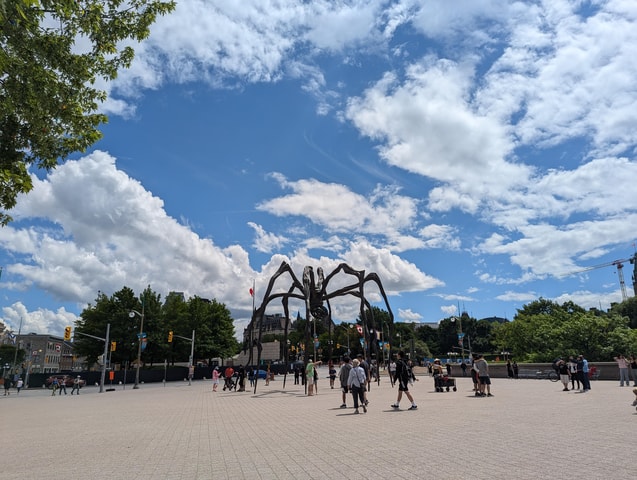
[(403, 376)]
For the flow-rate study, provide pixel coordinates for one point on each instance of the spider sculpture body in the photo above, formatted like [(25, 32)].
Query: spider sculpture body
[(314, 292)]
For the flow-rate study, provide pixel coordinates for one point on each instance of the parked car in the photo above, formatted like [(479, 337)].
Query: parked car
[(67, 379)]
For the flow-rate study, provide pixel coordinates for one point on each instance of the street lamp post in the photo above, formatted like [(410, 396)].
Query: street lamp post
[(34, 353), (132, 314), (349, 353), (460, 334)]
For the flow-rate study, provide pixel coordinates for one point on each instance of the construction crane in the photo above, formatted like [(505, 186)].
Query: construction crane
[(619, 264)]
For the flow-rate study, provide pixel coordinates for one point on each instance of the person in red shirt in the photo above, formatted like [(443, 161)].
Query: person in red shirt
[(228, 378)]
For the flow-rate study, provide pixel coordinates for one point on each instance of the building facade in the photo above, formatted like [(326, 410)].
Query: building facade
[(47, 354)]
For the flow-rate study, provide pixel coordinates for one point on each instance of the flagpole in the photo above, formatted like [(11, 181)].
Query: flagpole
[(253, 294), (17, 344)]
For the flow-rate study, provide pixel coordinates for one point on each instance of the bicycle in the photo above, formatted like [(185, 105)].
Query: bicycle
[(548, 374)]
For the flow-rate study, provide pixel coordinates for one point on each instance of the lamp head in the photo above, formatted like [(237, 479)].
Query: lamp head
[(131, 314)]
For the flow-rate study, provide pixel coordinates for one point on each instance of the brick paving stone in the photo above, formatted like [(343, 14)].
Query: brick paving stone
[(530, 429)]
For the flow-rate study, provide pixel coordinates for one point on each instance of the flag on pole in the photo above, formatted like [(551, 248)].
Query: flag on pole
[(251, 292)]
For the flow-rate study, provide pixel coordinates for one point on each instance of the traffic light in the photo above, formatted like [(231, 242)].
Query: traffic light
[(67, 333), (170, 336), (113, 346)]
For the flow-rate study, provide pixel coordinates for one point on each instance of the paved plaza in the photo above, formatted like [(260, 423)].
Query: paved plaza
[(530, 429)]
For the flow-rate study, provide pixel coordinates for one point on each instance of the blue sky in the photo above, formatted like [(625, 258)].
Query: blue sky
[(473, 154)]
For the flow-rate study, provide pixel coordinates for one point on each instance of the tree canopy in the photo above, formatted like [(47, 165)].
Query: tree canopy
[(544, 330), (211, 321), (52, 53)]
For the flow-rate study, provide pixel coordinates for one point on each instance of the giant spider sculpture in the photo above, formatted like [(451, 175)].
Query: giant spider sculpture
[(314, 292)]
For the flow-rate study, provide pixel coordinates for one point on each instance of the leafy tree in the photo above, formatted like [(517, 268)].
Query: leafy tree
[(8, 354), (421, 349), (52, 53), (93, 320), (627, 308), (220, 341), (482, 340), (544, 330), (211, 321)]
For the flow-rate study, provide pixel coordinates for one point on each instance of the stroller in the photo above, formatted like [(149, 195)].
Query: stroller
[(443, 382), (230, 383)]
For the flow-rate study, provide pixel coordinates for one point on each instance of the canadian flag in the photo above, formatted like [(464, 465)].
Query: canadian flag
[(251, 292)]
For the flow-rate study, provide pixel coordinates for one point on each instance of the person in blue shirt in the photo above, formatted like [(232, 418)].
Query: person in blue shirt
[(586, 382)]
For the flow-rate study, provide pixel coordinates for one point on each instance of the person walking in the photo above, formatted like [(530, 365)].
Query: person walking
[(633, 369), (392, 372), (332, 373), (241, 374), (509, 369), (215, 379), (403, 376), (482, 368), (62, 386), (516, 370), (54, 386), (309, 376), (623, 365), (582, 373), (19, 384), (343, 377), (474, 376), (297, 375), (365, 366), (315, 378), (562, 368), (356, 382), (7, 385), (572, 372), (76, 385)]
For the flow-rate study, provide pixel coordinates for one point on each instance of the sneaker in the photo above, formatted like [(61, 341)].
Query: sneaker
[(364, 408), (394, 405), (344, 406), (413, 407), (634, 404), (366, 402), (489, 395), (356, 411)]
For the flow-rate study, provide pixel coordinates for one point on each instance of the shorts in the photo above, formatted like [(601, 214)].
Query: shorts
[(403, 387), (345, 389), (485, 380)]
